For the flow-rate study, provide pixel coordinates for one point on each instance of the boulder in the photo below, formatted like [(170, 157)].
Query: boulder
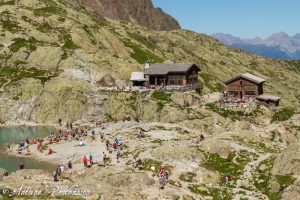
[(292, 192), (274, 186), (3, 173), (288, 162), (217, 146)]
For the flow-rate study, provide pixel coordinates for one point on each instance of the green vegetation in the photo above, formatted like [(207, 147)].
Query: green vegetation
[(46, 11), (260, 146), (234, 115), (264, 178), (21, 42), (245, 157), (142, 40), (140, 55), (108, 118), (157, 141), (69, 44), (215, 193), (187, 177), (161, 96), (3, 3), (224, 166), (211, 83), (282, 115), (10, 26), (16, 74), (87, 30), (175, 183), (148, 163)]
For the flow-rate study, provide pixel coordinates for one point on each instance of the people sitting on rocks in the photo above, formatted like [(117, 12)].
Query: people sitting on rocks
[(81, 144), (40, 145), (28, 153), (50, 152)]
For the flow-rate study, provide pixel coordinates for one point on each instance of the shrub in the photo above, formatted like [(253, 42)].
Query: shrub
[(282, 115), (161, 96)]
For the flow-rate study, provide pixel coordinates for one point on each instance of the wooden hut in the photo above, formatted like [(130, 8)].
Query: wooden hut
[(245, 85), (171, 74)]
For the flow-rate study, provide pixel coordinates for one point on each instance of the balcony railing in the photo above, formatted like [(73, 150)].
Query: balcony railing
[(180, 88)]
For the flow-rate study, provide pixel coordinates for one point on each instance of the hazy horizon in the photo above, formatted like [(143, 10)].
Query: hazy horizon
[(245, 19)]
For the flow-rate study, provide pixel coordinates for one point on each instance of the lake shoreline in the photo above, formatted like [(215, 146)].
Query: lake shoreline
[(27, 124)]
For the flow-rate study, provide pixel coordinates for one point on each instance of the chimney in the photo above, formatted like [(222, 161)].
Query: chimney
[(173, 61), (147, 64)]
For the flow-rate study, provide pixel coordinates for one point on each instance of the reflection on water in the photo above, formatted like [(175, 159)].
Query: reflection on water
[(15, 135)]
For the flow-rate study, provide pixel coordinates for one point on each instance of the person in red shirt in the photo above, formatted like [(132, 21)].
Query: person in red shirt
[(85, 161), (162, 171), (50, 151)]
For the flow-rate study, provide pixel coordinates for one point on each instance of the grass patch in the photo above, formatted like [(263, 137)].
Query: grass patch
[(48, 10), (16, 74), (3, 3), (148, 163), (187, 177), (141, 40), (109, 118), (140, 55), (264, 178), (21, 42), (215, 193), (224, 166), (245, 157), (234, 115), (10, 26), (68, 42), (161, 96), (175, 183), (157, 141), (285, 181), (282, 115), (211, 83)]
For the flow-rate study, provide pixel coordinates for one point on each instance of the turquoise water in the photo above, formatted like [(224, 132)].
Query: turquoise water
[(15, 135)]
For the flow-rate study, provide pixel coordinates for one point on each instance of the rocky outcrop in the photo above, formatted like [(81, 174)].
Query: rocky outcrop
[(142, 12), (288, 162), (217, 146), (3, 173)]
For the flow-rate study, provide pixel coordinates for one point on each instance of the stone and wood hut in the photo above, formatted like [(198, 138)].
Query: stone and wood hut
[(245, 85), (171, 74)]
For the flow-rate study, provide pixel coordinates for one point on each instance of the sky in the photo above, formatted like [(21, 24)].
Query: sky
[(242, 18)]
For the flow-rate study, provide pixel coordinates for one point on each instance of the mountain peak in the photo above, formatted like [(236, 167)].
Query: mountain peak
[(281, 34), (141, 12)]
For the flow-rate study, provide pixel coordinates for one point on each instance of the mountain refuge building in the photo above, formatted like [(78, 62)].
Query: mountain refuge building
[(174, 74), (245, 85), (248, 85)]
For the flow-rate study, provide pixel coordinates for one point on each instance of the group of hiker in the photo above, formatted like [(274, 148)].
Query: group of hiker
[(58, 172)]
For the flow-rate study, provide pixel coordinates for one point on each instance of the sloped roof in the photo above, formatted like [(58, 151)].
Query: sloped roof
[(247, 76), (137, 76), (163, 69)]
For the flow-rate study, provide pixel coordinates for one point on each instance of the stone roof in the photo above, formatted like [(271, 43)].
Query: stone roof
[(268, 97), (247, 76), (163, 69)]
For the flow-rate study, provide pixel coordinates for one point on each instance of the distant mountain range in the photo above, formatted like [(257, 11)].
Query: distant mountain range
[(279, 45)]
